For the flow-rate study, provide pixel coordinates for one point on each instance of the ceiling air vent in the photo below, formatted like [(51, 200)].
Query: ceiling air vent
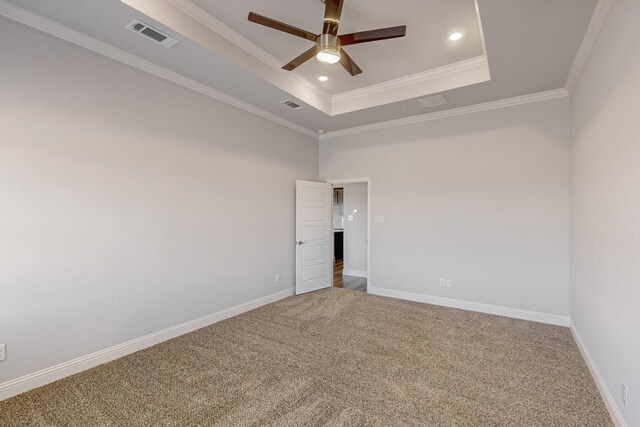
[(433, 101), (289, 103), (152, 33)]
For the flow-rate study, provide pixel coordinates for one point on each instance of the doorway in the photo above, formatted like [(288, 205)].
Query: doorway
[(350, 223)]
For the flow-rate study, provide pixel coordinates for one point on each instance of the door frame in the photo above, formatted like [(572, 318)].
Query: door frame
[(367, 180)]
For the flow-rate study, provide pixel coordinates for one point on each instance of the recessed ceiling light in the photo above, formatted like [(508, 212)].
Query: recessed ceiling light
[(323, 78), (455, 36)]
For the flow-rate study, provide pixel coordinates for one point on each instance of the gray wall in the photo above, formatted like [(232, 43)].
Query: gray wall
[(129, 204), (481, 199), (605, 209), (355, 232)]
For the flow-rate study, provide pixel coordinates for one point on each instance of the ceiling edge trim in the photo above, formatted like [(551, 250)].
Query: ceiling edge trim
[(411, 79), (466, 72), (486, 106), (214, 24), (180, 22), (479, 20), (600, 14), (38, 22), (447, 77)]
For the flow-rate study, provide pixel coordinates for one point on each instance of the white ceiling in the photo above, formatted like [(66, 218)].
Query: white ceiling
[(530, 47), (200, 26), (423, 48)]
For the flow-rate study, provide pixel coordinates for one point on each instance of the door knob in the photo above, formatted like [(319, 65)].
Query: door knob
[(300, 242)]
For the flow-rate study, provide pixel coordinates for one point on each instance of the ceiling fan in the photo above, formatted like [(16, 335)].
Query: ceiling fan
[(329, 44)]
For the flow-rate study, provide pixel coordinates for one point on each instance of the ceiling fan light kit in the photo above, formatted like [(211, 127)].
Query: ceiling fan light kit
[(328, 45), (328, 48)]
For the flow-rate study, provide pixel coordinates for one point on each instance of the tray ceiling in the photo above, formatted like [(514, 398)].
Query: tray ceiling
[(425, 46), (422, 63), (530, 47)]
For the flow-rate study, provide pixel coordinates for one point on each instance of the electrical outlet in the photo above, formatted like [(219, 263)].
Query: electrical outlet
[(448, 283), (625, 395), (443, 283), (277, 279), (3, 352)]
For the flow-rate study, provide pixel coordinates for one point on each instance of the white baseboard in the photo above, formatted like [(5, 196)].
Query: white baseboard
[(45, 376), (516, 313), (609, 401), (355, 273)]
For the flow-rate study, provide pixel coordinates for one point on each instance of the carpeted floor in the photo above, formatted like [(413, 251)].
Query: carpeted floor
[(335, 357)]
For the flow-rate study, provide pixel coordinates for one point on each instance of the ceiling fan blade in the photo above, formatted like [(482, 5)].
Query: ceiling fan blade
[(348, 64), (332, 12), (300, 59), (373, 35), (281, 26)]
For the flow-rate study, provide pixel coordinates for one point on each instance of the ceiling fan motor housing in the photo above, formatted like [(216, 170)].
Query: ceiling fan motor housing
[(328, 48), (327, 42)]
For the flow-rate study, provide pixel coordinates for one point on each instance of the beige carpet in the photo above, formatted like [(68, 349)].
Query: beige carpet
[(338, 358)]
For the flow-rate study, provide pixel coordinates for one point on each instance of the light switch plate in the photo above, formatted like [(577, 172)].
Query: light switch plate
[(349, 217), (3, 352)]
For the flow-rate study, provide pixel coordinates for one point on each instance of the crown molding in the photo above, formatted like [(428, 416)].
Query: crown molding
[(479, 21), (492, 105), (33, 20), (182, 23), (600, 14), (214, 24), (398, 83), (38, 22), (451, 76)]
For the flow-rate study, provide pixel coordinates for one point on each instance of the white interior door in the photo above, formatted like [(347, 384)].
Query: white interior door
[(314, 236)]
